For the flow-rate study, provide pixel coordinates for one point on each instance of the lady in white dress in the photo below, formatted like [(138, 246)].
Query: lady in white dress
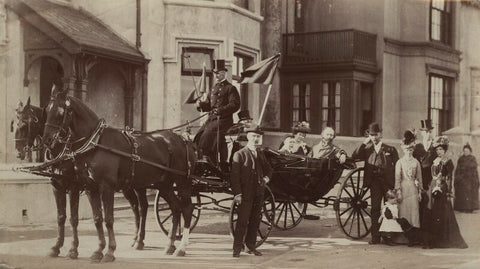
[(408, 181)]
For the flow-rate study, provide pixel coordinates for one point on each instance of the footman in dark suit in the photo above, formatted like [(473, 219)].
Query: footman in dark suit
[(380, 160), (250, 173)]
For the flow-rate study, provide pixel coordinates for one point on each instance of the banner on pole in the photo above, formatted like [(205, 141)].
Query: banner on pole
[(261, 72), (200, 88)]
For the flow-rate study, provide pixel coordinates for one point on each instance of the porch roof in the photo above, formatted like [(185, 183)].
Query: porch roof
[(76, 30)]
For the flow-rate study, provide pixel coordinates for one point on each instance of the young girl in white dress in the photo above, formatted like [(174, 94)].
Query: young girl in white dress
[(389, 225)]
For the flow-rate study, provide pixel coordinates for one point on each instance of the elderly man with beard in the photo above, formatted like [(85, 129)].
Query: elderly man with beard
[(326, 149)]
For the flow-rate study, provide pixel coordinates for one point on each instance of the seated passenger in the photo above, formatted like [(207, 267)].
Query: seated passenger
[(326, 149), (295, 144)]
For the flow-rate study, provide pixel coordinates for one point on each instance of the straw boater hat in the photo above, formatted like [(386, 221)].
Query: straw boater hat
[(301, 127), (408, 140)]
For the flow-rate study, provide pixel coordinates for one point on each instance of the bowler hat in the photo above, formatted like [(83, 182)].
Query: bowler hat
[(426, 125), (244, 115), (218, 65), (253, 128), (374, 128)]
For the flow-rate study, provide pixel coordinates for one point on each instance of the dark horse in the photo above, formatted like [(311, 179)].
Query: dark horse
[(69, 180), (28, 132), (113, 171)]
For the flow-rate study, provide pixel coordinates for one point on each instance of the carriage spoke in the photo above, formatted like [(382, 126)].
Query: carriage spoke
[(285, 217), (280, 214), (358, 183), (353, 186), (291, 213), (364, 222), (345, 211), (358, 224), (353, 220), (266, 222), (296, 208), (349, 194), (169, 216), (349, 216), (366, 212), (260, 233)]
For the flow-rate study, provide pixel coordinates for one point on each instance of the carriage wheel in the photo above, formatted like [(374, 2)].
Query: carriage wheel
[(163, 214), (353, 205), (268, 215), (288, 214)]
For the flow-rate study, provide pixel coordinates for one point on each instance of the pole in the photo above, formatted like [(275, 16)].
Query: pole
[(264, 104)]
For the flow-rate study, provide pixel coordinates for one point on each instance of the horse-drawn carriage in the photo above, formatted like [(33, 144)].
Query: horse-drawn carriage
[(136, 157), (296, 182)]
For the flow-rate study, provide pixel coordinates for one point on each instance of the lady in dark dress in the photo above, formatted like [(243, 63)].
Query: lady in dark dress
[(441, 218), (466, 182)]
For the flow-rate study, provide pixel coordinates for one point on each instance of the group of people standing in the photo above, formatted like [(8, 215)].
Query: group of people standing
[(420, 183)]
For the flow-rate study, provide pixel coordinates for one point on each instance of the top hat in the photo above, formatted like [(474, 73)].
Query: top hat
[(253, 128), (244, 115), (218, 65), (301, 127), (426, 125), (374, 128), (408, 139)]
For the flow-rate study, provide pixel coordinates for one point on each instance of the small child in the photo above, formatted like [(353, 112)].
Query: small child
[(389, 225)]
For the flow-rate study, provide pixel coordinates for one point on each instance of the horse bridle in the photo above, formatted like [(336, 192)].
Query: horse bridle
[(29, 144), (61, 128)]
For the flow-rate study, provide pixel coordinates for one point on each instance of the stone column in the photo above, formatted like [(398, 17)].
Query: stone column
[(81, 92)]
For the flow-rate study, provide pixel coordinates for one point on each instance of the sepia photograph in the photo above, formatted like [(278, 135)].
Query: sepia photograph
[(239, 134)]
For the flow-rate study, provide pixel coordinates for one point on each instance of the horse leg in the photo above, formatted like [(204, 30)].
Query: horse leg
[(96, 204), (174, 203), (187, 210), (107, 199), (61, 201), (142, 200), (74, 201), (130, 195)]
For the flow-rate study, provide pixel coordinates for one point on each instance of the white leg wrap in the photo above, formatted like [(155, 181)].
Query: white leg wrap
[(185, 238)]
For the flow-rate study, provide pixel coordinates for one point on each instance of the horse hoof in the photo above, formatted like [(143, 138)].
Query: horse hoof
[(72, 255), (96, 256), (53, 253), (179, 253), (140, 246), (108, 258), (170, 250)]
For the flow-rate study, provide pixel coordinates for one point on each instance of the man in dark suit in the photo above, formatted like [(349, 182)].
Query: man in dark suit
[(250, 172), (427, 154), (380, 160), (222, 101)]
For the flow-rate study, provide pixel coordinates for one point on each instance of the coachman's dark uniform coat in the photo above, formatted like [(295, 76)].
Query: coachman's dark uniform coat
[(379, 176), (247, 179), (225, 98)]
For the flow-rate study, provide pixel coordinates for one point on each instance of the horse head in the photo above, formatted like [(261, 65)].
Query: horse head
[(29, 126), (66, 116)]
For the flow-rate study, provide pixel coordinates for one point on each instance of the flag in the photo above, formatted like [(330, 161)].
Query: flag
[(200, 88), (261, 72)]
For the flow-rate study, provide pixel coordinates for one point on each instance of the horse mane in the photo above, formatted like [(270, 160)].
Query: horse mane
[(82, 109)]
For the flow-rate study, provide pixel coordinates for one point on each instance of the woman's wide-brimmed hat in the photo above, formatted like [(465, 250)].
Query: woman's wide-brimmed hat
[(441, 141), (301, 127), (408, 140)]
